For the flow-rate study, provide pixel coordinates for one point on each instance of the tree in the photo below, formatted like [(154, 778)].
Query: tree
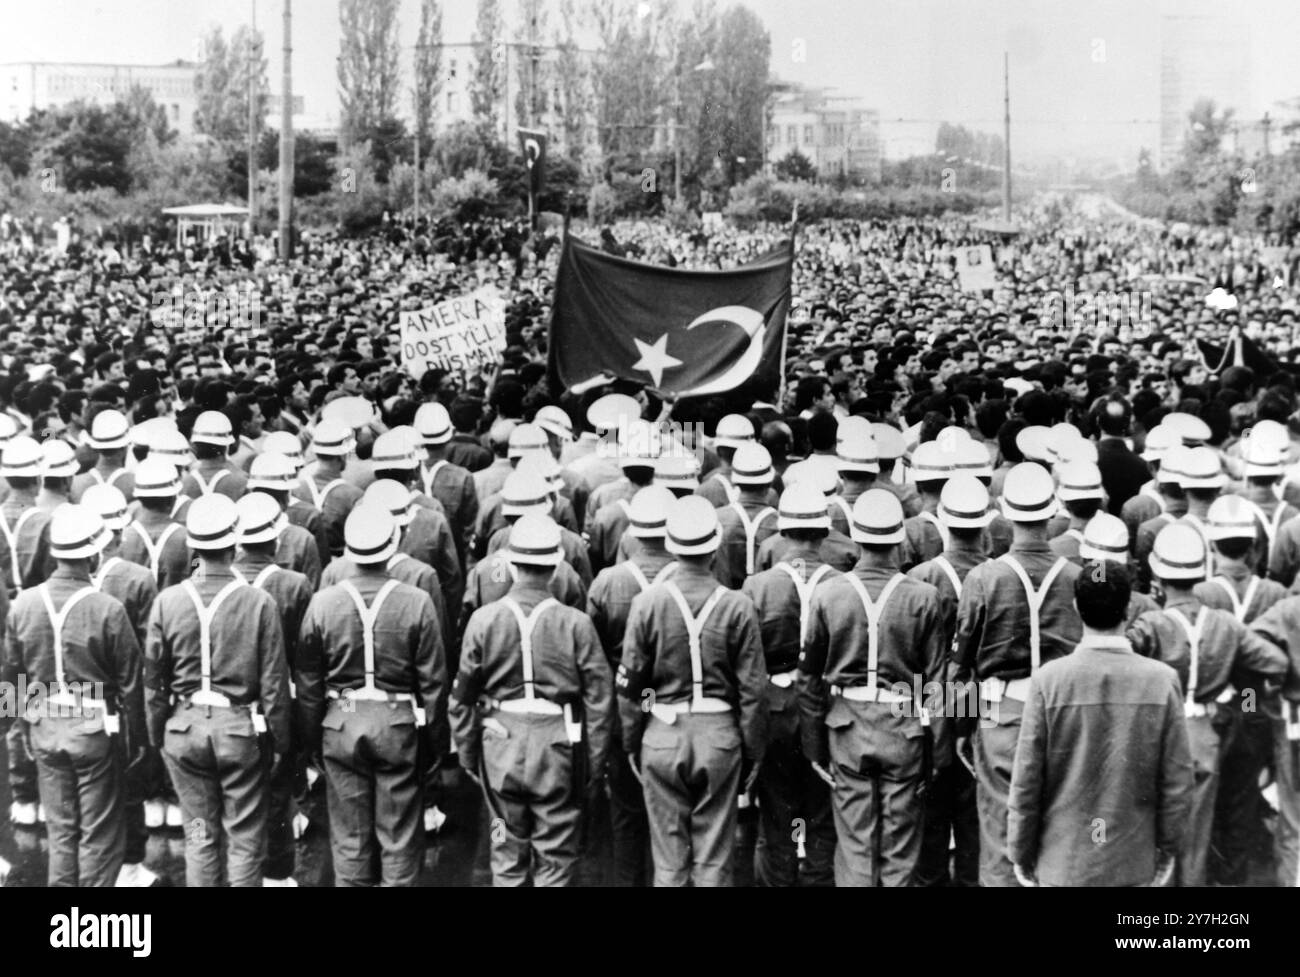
[(796, 166), (1207, 129), (428, 70), (368, 70), (221, 86), (531, 70), (573, 82), (486, 83), (630, 74), (732, 123)]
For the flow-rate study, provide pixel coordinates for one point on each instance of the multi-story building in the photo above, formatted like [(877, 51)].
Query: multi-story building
[(29, 85), (836, 132)]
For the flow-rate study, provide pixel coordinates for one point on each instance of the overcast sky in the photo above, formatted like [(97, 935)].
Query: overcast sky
[(1085, 73)]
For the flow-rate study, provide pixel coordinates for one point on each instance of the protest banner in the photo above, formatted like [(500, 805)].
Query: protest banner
[(462, 334)]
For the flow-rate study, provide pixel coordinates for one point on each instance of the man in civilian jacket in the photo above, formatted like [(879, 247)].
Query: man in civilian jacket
[(1102, 786)]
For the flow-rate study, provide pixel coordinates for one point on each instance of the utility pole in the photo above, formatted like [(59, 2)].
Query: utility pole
[(419, 49), (1265, 123), (1006, 137), (286, 143), (252, 125)]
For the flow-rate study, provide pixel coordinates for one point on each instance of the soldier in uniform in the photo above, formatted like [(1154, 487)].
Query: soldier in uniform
[(1169, 483), (693, 711), (1209, 650), (608, 604), (302, 543), (443, 480), (213, 470), (531, 713), (1280, 624), (324, 486), (1015, 613), (76, 642), (133, 586), (109, 435), (924, 536), (1080, 490), (733, 431), (1149, 501), (373, 672), (260, 524), (794, 802), (964, 509), (748, 520), (858, 465), (861, 678), (527, 491), (154, 538), (559, 435), (26, 531), (610, 503), (217, 691), (425, 534)]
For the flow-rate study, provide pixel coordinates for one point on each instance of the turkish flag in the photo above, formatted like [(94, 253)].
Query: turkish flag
[(693, 333), (532, 143)]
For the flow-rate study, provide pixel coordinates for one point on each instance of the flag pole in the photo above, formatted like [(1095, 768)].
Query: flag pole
[(785, 329)]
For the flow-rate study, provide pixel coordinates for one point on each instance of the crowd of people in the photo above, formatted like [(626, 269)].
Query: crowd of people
[(999, 588)]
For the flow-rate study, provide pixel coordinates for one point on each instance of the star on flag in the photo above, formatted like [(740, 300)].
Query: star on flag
[(654, 358)]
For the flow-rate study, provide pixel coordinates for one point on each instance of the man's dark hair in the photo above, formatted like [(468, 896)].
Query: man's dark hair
[(1101, 593), (822, 431)]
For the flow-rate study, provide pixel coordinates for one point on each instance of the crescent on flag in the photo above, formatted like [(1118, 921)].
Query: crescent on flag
[(754, 326)]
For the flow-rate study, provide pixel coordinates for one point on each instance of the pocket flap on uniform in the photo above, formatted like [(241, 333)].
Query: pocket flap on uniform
[(839, 716), (333, 719), (659, 736), (723, 736), (177, 724)]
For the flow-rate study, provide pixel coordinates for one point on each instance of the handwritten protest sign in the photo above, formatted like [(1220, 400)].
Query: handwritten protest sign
[(463, 334)]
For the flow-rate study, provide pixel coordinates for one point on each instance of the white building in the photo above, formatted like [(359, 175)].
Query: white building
[(836, 132), (29, 85)]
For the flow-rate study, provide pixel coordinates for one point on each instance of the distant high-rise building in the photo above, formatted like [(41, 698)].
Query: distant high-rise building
[(29, 85), (1204, 53)]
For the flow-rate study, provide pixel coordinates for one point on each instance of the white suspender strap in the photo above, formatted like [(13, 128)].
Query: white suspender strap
[(805, 592), (626, 506), (931, 518), (266, 573), (1035, 598), (844, 508), (368, 617), (950, 572), (179, 501), (751, 532), (694, 630), (1240, 606), (637, 574), (1154, 495), (666, 571), (1193, 632), (99, 479), (318, 496), (874, 610), (1271, 526), (155, 550), (1075, 534), (11, 537), (206, 617), (733, 493), (526, 625), (427, 475), (397, 558), (111, 480), (57, 619), (1204, 530), (97, 581), (207, 488)]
